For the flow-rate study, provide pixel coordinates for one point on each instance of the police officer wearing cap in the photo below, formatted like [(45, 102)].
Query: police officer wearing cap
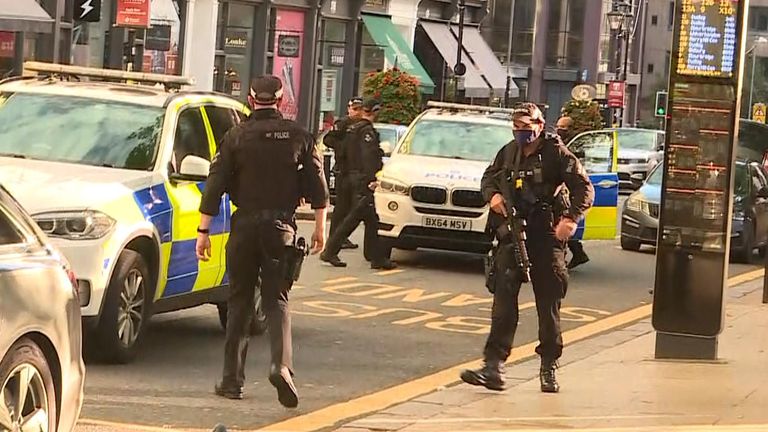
[(258, 165), (363, 160), (535, 166), (335, 140)]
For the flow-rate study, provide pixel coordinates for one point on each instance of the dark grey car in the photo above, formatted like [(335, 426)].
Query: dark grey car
[(41, 365)]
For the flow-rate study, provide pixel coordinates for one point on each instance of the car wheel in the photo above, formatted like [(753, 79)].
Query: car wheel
[(28, 401), (126, 309), (745, 253), (630, 244), (259, 322)]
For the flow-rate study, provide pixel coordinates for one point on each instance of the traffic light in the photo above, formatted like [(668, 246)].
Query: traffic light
[(661, 104)]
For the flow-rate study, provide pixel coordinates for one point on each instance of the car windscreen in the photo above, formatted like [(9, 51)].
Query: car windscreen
[(79, 130), (637, 139), (456, 139)]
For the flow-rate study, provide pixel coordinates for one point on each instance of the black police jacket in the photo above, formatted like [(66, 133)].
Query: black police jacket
[(542, 173), (335, 138), (363, 153), (266, 163)]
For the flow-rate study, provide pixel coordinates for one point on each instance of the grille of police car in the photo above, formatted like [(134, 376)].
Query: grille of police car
[(447, 212), (429, 195), (467, 198)]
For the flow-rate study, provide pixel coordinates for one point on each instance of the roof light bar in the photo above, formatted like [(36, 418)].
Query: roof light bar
[(40, 68), (464, 107)]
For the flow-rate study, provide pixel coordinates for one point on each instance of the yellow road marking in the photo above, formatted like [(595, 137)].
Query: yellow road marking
[(340, 280), (389, 272), (383, 399)]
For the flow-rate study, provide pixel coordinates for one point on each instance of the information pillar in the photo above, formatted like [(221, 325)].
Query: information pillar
[(696, 198)]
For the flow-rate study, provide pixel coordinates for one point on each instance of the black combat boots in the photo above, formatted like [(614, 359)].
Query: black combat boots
[(490, 376), (547, 376)]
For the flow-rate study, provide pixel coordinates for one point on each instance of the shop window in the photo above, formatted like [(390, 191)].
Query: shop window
[(654, 20), (650, 68)]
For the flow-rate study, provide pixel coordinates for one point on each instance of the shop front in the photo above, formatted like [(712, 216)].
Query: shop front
[(32, 30)]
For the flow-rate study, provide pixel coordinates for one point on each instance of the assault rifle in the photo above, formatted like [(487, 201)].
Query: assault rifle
[(511, 233)]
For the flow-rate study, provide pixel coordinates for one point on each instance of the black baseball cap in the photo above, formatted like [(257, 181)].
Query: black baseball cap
[(356, 101), (266, 89), (371, 105)]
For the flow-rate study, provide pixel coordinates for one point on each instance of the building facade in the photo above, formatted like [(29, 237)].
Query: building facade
[(657, 49)]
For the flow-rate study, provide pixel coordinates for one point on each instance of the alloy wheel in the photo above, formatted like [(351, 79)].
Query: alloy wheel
[(24, 401), (130, 314)]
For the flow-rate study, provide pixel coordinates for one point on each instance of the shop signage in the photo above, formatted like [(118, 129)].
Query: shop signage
[(758, 112), (7, 41), (87, 10), (328, 91), (373, 58), (236, 41), (616, 94), (158, 38), (376, 5), (133, 13), (287, 58), (288, 45), (336, 56)]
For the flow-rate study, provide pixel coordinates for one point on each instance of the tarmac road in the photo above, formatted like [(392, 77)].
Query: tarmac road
[(356, 331)]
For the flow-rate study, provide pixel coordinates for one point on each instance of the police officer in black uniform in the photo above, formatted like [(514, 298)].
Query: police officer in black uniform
[(363, 160), (258, 164), (335, 140), (535, 166)]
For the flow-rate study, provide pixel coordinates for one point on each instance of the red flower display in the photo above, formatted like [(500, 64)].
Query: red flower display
[(398, 93)]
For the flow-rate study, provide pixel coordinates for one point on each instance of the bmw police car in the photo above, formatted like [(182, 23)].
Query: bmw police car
[(113, 174), (429, 191)]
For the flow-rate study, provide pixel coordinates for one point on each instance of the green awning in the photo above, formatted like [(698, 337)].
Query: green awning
[(396, 50)]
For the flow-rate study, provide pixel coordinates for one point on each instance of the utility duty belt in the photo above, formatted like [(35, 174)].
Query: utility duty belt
[(265, 215)]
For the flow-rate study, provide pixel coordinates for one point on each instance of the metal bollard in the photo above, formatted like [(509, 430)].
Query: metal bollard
[(765, 279)]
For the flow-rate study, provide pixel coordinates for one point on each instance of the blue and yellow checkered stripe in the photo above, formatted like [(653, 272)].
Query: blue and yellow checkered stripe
[(172, 209), (600, 221)]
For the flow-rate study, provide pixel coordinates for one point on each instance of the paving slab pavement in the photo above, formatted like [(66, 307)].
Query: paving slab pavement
[(613, 383)]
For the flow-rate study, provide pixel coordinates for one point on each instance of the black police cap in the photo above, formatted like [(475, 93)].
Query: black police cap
[(371, 105), (266, 89), (356, 101)]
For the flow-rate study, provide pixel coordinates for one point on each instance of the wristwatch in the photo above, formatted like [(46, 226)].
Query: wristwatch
[(203, 231)]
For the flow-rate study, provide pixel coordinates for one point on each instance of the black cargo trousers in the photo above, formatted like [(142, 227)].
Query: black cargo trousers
[(256, 241), (549, 278)]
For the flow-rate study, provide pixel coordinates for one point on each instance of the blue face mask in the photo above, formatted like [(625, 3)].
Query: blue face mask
[(525, 136)]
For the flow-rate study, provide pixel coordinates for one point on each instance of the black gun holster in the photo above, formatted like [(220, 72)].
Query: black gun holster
[(293, 260), (491, 272)]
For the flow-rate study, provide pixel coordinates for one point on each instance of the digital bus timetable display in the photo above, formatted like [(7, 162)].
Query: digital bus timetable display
[(708, 34)]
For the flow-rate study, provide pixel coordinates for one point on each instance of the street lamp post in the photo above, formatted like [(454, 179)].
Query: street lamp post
[(620, 21), (759, 41)]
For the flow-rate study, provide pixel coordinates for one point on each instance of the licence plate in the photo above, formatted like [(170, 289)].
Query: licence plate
[(445, 223)]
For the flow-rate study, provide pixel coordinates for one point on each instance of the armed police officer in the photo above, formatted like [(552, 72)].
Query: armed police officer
[(266, 164), (525, 181), (335, 140), (362, 161)]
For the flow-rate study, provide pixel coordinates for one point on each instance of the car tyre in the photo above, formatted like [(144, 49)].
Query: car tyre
[(126, 309), (259, 322), (25, 361), (630, 244), (744, 254)]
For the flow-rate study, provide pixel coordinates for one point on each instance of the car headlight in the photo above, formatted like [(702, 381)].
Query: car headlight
[(394, 186), (75, 225), (635, 203), (638, 161)]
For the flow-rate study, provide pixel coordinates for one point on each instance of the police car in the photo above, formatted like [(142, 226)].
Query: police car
[(429, 191), (113, 174)]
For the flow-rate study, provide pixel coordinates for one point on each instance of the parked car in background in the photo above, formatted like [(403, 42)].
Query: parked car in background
[(749, 227), (637, 148), (41, 364), (429, 194)]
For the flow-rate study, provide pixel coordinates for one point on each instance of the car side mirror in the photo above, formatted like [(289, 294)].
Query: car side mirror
[(386, 147), (193, 168), (637, 180)]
